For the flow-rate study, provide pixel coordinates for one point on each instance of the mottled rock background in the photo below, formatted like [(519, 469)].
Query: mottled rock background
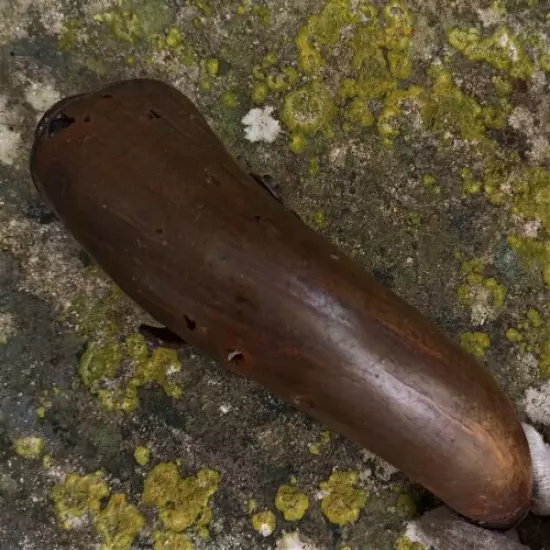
[(415, 135)]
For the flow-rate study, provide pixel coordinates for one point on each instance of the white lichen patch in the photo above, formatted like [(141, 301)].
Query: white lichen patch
[(294, 541), (41, 96), (10, 138), (382, 470), (7, 327), (537, 404), (261, 126), (540, 459)]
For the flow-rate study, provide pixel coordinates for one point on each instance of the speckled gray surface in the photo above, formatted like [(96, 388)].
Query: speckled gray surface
[(432, 170)]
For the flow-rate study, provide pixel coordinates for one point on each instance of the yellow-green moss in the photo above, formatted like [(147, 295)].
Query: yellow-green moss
[(68, 37), (475, 343), (142, 455), (29, 447), (470, 184), (342, 502), (78, 495), (167, 540), (264, 522), (118, 524), (181, 502), (291, 502), (514, 335), (503, 50)]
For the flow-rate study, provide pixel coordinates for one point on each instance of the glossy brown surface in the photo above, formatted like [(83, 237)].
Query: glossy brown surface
[(139, 179)]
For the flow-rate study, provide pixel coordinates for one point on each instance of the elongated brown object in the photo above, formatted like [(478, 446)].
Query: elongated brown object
[(142, 182)]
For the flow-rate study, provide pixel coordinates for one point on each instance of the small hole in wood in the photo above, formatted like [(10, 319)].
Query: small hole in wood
[(153, 114), (106, 96), (236, 357), (191, 324), (257, 218), (87, 119), (159, 230)]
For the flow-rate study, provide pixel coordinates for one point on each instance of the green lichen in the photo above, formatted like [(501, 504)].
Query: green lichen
[(430, 182), (118, 524), (29, 447), (475, 343), (534, 253), (142, 455), (342, 502), (358, 112), (324, 436), (264, 522), (532, 335), (405, 505), (451, 111), (532, 195), (181, 502), (167, 540), (291, 502), (403, 543), (230, 100), (79, 495), (308, 109), (259, 92), (297, 144), (503, 50), (484, 295), (395, 101), (69, 35)]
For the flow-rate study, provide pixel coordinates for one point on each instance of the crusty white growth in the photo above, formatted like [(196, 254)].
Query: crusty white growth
[(294, 541), (540, 459), (41, 95), (261, 126), (537, 404), (442, 529)]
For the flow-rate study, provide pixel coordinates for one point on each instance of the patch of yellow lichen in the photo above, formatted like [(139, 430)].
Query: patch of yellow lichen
[(475, 342), (503, 50), (181, 502), (118, 524), (531, 335), (342, 501), (264, 522), (291, 502), (324, 436), (29, 447), (142, 455), (533, 252), (77, 496), (168, 540), (113, 370), (483, 295), (403, 543)]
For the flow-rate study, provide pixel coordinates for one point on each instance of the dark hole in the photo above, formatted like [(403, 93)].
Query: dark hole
[(12, 53), (106, 96), (191, 324), (159, 230), (87, 119), (103, 502), (11, 128), (154, 114), (236, 357), (257, 218), (58, 124)]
